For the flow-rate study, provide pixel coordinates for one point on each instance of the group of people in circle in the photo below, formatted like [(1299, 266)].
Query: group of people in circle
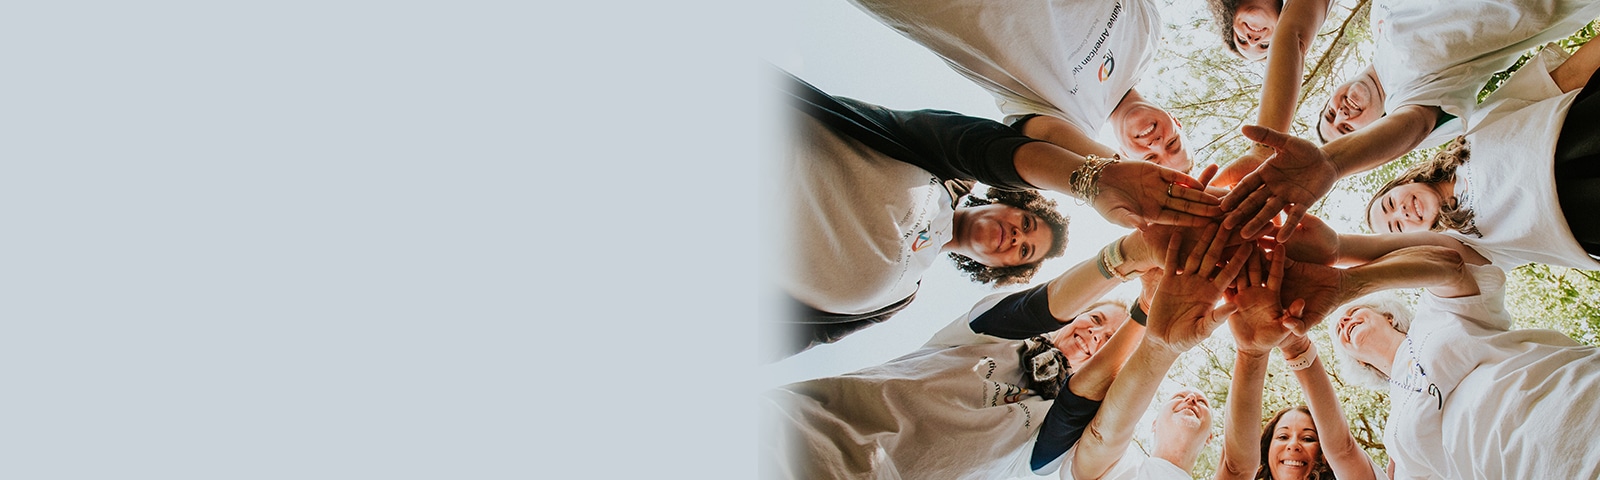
[(1054, 378)]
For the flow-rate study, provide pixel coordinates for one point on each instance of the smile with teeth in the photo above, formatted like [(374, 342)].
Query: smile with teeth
[(1294, 463), (1147, 130)]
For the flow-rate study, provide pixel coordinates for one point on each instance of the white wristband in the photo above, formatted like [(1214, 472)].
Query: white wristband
[(1305, 359)]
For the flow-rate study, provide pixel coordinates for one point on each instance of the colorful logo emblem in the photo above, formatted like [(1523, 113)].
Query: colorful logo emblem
[(1106, 68), (922, 241)]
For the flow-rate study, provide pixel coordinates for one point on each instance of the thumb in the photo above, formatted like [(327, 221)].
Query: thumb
[(1270, 137), (1125, 217)]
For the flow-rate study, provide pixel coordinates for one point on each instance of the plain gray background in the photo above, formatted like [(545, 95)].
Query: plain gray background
[(345, 239)]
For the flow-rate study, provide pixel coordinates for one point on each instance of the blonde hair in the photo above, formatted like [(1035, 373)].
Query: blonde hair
[(1356, 371)]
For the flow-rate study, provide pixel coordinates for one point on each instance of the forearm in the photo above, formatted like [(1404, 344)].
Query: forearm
[(1065, 135), (1094, 378), (1385, 139), (1358, 249), (1347, 459), (1111, 430), (1048, 166), (1297, 26), (1439, 269), (1084, 283), (1240, 452), (1574, 73), (948, 144)]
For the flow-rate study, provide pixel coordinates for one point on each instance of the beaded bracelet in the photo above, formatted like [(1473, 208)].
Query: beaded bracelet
[(1111, 258), (1085, 181)]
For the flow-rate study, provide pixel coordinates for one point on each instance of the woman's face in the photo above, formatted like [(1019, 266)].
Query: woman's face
[(1354, 104), (1151, 134), (1294, 450), (1002, 235), (1358, 328), (1081, 338), (1413, 207), (1252, 31)]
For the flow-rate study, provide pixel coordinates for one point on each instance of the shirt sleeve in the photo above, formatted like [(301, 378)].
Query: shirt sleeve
[(948, 144), (1020, 315), (1063, 426)]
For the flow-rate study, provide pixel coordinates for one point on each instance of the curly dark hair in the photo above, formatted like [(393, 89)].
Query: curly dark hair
[(1223, 11), (1028, 201), (1319, 469), (1441, 167)]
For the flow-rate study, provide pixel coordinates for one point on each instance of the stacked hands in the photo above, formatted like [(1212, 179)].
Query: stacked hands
[(1273, 271)]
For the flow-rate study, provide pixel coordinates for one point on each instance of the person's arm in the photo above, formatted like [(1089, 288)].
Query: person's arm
[(1317, 290), (1280, 92), (1257, 328), (1182, 315), (1044, 308), (1240, 450), (1339, 447), (1064, 134), (1357, 249), (954, 146), (1574, 73), (1299, 173)]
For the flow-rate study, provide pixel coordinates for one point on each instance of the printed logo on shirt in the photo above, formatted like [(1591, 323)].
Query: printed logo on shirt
[(922, 241), (1107, 64)]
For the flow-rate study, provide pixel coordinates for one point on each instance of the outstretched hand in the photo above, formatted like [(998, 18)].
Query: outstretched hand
[(1182, 315), (1259, 323), (1294, 178), (1319, 288), (1136, 194)]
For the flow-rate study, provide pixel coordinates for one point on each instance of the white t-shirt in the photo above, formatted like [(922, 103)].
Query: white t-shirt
[(955, 408), (1471, 398), (865, 226), (1442, 52), (1070, 59), (1509, 183), (1134, 465)]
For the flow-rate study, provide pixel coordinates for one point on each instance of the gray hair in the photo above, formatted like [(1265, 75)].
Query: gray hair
[(1356, 371)]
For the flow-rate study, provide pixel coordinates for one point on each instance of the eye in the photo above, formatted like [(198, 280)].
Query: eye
[(1027, 251), (1150, 158), (1280, 437), (1098, 319), (1265, 46), (1028, 223), (1308, 439)]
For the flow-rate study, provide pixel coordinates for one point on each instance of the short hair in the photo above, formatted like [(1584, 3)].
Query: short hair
[(1319, 467), (1028, 201), (1223, 11), (1359, 372), (1441, 167)]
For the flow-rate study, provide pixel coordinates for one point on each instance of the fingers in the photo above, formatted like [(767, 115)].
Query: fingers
[(1198, 253), (1296, 213), (1275, 275), (1269, 137), (1292, 320), (1207, 175), (1235, 265), (1188, 200), (1247, 186), (1254, 271), (1250, 205), (1181, 219), (1171, 262), (1263, 218), (1214, 252)]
